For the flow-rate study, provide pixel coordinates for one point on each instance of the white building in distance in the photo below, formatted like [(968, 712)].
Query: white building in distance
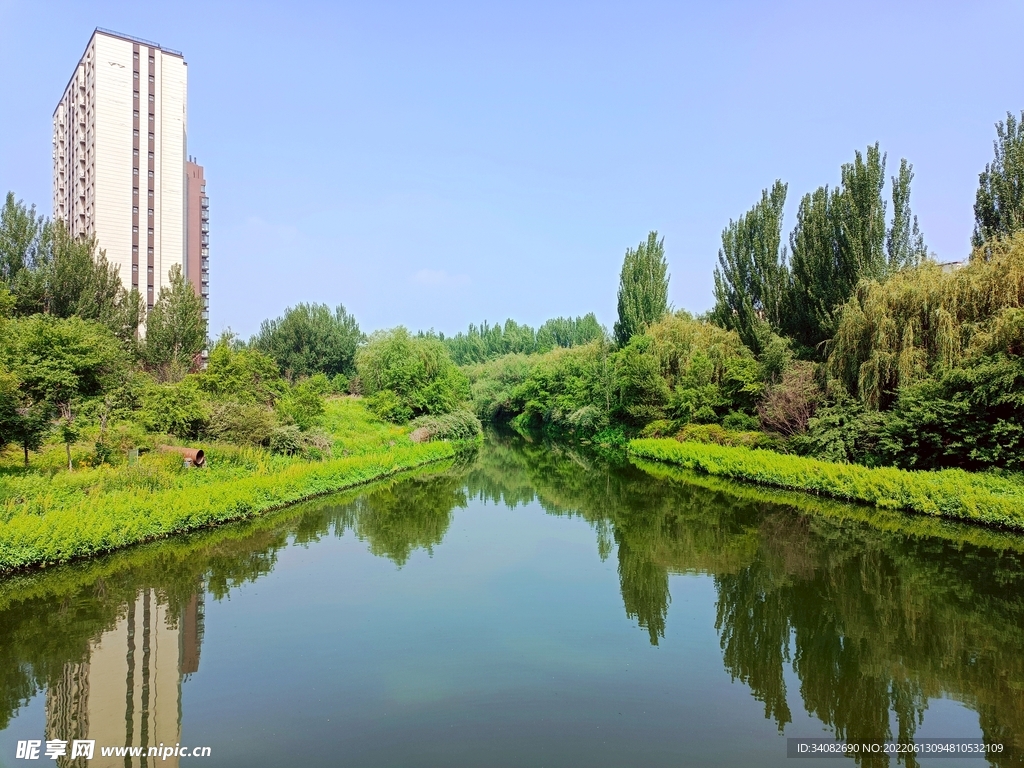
[(119, 157)]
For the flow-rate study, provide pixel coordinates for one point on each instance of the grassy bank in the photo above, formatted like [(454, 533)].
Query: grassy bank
[(49, 516), (951, 493)]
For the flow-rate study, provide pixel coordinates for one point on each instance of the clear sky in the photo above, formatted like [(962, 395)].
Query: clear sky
[(437, 163)]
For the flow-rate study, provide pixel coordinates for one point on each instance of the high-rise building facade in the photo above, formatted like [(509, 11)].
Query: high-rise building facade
[(119, 157), (197, 233)]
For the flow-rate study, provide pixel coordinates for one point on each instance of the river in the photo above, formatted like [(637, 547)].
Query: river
[(530, 605)]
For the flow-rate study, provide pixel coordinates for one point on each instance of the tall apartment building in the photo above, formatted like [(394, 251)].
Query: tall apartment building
[(197, 233), (120, 170)]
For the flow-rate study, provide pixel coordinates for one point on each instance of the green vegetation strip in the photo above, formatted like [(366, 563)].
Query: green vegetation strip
[(93, 524), (950, 493)]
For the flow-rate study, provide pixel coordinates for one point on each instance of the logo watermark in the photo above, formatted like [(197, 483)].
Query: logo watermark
[(36, 749)]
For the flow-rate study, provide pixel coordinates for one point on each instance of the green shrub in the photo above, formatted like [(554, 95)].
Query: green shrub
[(389, 406), (457, 425), (842, 431), (417, 370), (951, 493), (240, 423), (970, 417), (287, 440), (177, 409), (718, 435), (302, 406), (234, 372)]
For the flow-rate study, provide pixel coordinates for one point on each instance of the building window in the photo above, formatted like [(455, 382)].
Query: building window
[(151, 213), (135, 114), (136, 75), (135, 133), (152, 97), (135, 152), (135, 230), (151, 174), (152, 79), (135, 191), (152, 136), (135, 171), (135, 209)]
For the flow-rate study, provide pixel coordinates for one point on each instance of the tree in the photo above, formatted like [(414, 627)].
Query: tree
[(23, 237), (841, 238), (999, 203), (49, 271), (408, 376), (175, 328), (751, 277), (59, 362), (310, 339), (643, 288), (569, 332), (236, 372)]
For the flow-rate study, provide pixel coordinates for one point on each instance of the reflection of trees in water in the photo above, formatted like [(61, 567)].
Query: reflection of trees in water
[(49, 620), (874, 614), (411, 515)]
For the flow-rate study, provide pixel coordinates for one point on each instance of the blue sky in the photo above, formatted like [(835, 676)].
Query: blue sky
[(436, 164)]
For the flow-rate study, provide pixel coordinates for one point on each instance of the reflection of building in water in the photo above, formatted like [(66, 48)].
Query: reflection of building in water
[(128, 693)]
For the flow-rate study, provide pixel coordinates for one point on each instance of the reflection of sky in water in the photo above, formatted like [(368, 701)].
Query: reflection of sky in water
[(510, 645)]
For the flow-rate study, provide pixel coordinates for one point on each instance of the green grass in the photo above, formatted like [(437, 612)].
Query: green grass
[(952, 493), (50, 515)]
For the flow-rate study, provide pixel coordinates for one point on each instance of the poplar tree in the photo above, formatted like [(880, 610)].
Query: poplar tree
[(751, 277), (999, 204), (841, 238), (643, 288), (175, 328)]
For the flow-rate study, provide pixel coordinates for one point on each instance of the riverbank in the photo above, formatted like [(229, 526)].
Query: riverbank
[(55, 517), (952, 493)]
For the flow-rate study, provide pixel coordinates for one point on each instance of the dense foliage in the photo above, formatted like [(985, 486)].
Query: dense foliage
[(310, 339), (406, 376), (999, 203), (643, 288), (486, 342), (680, 370)]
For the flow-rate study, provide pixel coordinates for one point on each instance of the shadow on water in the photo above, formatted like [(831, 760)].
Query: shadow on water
[(872, 613)]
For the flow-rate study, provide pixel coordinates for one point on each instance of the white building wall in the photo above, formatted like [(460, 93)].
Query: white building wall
[(172, 100), (93, 156), (112, 213)]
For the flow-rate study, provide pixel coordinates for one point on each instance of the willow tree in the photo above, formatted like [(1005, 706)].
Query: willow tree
[(751, 277), (999, 204), (841, 238), (643, 288), (921, 320)]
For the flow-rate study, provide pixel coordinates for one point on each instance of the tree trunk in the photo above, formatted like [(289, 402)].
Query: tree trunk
[(68, 447)]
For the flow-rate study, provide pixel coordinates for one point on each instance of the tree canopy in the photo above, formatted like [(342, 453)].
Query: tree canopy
[(175, 327), (999, 203), (310, 339), (643, 288)]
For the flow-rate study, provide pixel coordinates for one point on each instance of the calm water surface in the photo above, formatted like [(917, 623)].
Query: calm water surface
[(530, 606)]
